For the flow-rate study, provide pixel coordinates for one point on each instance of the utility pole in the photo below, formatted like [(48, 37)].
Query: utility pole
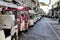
[(49, 1)]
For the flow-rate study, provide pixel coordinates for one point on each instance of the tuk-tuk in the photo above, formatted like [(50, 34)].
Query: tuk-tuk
[(33, 17), (8, 28), (24, 17)]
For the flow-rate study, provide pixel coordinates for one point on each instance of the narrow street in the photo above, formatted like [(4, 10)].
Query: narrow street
[(41, 31), (29, 19)]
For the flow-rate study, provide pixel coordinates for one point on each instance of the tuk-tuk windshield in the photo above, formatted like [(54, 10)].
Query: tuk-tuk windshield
[(8, 12)]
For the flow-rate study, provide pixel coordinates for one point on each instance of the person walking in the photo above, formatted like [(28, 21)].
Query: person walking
[(59, 18)]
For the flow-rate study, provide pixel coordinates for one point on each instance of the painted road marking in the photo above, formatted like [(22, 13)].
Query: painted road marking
[(53, 30)]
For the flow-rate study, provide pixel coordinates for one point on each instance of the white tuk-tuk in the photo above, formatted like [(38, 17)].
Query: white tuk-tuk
[(8, 28), (33, 17)]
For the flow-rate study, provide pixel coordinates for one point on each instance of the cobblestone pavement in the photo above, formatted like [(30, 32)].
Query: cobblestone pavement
[(40, 31), (55, 26)]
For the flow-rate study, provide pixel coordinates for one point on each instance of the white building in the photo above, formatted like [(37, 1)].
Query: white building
[(54, 3)]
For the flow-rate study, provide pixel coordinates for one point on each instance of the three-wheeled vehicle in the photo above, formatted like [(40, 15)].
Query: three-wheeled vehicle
[(23, 16), (33, 17), (8, 28)]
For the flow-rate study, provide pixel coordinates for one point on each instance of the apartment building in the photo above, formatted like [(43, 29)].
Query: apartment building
[(54, 3)]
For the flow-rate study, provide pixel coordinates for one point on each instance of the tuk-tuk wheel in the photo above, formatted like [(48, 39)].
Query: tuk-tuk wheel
[(14, 37)]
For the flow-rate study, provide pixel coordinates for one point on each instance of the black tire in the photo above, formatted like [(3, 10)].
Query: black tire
[(26, 30), (14, 37)]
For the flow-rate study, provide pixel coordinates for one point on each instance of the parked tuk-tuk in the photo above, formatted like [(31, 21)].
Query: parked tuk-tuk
[(33, 17), (22, 17), (23, 13), (8, 28)]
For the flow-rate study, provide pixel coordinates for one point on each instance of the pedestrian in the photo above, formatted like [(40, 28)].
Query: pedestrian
[(59, 18), (0, 11)]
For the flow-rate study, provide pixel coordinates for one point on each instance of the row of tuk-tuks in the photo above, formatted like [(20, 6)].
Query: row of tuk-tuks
[(14, 20)]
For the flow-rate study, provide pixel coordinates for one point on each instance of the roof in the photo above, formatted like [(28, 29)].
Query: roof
[(22, 8), (19, 8)]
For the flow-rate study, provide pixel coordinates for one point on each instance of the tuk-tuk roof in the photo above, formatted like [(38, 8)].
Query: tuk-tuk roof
[(9, 9), (21, 8)]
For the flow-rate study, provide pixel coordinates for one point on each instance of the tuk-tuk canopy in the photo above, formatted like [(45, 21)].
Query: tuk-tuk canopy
[(21, 8), (9, 9)]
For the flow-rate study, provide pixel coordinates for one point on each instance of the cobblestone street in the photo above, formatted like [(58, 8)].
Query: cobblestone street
[(29, 19), (40, 31)]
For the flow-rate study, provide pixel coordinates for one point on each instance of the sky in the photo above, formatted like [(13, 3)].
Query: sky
[(45, 1), (45, 8)]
